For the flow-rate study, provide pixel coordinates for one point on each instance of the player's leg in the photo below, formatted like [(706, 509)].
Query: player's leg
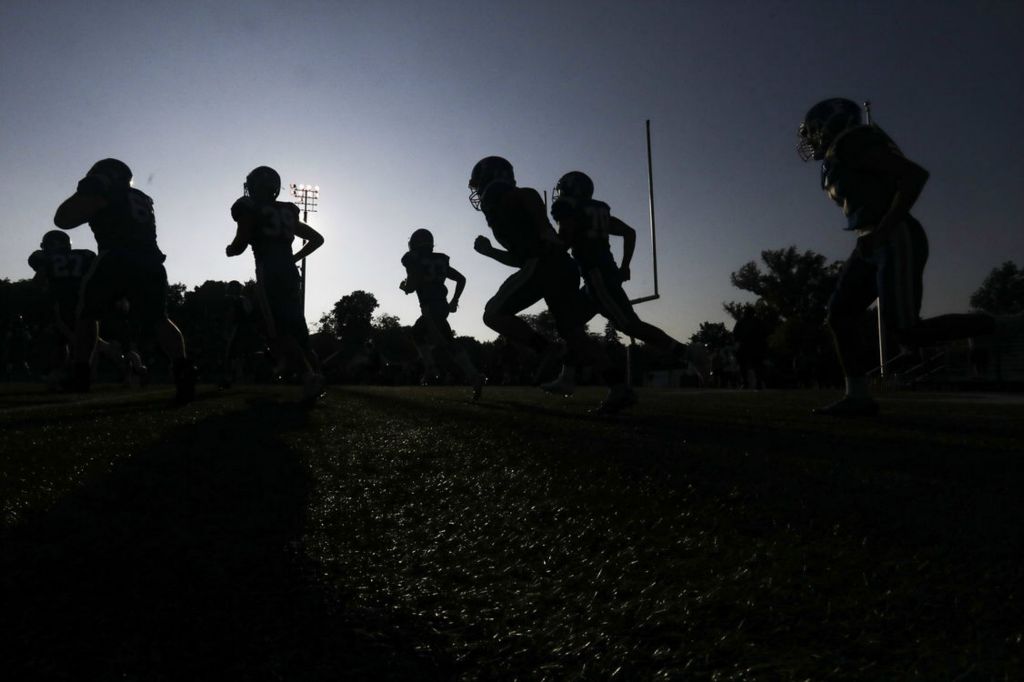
[(569, 309), (605, 286), (97, 291), (424, 341), (521, 290), (565, 383), (148, 302), (285, 296), (440, 334), (855, 291)]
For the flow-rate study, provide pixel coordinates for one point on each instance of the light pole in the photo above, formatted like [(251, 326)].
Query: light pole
[(308, 196)]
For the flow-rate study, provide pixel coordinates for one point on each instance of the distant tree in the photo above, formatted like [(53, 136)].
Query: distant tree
[(544, 323), (392, 340), (712, 335), (175, 298), (1002, 292), (610, 335), (792, 285), (351, 317), (792, 289)]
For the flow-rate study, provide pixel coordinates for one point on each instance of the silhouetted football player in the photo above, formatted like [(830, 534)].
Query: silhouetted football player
[(584, 224), (270, 226), (875, 185), (425, 274), (61, 269), (129, 265), (544, 270)]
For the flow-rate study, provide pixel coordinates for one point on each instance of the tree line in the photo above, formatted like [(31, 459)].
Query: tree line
[(358, 343)]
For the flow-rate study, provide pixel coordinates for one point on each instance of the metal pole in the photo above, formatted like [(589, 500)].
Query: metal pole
[(308, 195), (878, 302), (650, 192), (305, 219)]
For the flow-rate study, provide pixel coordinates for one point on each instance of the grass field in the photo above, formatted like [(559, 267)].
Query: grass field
[(411, 534)]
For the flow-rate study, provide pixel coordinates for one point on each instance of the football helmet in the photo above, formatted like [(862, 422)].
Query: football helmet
[(573, 185), (56, 240), (113, 173), (823, 123), (263, 184), (486, 171), (421, 240)]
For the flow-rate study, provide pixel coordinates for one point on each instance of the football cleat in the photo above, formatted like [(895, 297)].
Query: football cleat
[(619, 398), (312, 388), (564, 385), (849, 406), (478, 386)]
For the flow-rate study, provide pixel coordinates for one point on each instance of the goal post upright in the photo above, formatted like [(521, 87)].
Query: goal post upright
[(654, 250)]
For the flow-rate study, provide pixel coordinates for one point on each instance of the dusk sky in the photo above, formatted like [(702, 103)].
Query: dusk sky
[(387, 105)]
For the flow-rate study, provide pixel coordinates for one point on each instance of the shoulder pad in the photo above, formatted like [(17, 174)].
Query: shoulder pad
[(859, 139), (408, 259), (495, 194), (242, 206), (528, 195), (37, 260), (290, 207)]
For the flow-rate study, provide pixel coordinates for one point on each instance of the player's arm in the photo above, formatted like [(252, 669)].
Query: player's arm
[(483, 246), (910, 180), (412, 279), (460, 284), (36, 262), (77, 209), (242, 236), (314, 240), (628, 234)]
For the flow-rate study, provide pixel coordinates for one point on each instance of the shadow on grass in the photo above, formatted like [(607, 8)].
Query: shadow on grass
[(186, 562)]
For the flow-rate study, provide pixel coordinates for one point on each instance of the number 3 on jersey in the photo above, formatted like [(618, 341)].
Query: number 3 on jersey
[(277, 223)]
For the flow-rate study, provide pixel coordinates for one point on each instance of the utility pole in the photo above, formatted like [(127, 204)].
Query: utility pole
[(308, 196)]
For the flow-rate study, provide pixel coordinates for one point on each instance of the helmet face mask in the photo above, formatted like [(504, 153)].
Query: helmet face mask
[(421, 241), (574, 185), (263, 184), (486, 171), (823, 124), (56, 240)]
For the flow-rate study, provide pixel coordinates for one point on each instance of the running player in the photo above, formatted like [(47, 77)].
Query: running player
[(129, 265), (426, 273), (270, 226)]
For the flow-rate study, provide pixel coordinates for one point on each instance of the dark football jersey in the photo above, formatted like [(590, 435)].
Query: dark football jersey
[(516, 216), (63, 272), (430, 271), (583, 226), (864, 195), (274, 225), (127, 222)]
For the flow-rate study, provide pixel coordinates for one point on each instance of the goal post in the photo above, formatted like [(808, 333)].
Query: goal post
[(654, 250)]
